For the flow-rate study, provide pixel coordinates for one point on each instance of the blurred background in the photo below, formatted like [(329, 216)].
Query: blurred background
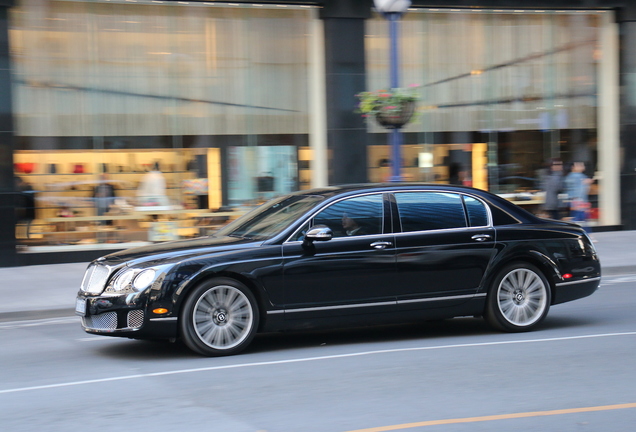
[(142, 121)]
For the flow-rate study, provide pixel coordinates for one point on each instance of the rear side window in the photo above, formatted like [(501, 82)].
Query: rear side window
[(424, 211), (477, 214)]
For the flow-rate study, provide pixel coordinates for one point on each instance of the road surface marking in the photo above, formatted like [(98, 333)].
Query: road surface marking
[(308, 359), (497, 417), (97, 339), (35, 323), (618, 279)]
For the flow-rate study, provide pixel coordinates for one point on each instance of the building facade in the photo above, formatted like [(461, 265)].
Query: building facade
[(124, 122)]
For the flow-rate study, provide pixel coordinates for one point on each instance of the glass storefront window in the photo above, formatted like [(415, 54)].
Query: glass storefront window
[(503, 92), (131, 119), (276, 170)]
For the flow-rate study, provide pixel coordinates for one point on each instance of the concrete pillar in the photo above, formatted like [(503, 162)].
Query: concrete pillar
[(608, 123), (345, 77), (318, 113), (8, 256), (627, 29)]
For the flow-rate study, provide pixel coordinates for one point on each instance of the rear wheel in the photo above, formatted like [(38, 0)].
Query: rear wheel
[(220, 317), (519, 298)]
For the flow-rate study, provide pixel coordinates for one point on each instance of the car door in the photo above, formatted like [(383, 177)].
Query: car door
[(444, 246), (353, 273)]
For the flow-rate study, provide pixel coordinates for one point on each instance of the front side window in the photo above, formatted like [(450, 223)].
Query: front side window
[(354, 216), (424, 211)]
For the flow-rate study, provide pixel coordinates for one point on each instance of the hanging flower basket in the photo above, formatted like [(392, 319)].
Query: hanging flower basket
[(396, 118), (391, 108)]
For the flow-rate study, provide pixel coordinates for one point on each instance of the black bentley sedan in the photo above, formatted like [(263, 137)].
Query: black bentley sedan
[(343, 256)]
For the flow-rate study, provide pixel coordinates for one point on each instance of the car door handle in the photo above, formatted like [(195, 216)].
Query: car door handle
[(381, 244), (481, 237)]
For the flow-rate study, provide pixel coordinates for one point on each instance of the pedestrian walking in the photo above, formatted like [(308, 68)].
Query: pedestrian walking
[(577, 185), (553, 185)]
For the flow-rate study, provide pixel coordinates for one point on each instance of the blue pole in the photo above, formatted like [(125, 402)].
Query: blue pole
[(395, 137)]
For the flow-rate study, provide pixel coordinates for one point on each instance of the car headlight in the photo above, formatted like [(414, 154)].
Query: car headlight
[(143, 279), (131, 280), (122, 281)]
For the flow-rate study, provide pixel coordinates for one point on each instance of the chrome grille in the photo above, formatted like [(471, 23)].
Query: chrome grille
[(105, 321), (135, 318), (95, 279)]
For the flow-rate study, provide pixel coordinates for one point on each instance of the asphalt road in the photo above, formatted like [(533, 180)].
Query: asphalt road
[(576, 373)]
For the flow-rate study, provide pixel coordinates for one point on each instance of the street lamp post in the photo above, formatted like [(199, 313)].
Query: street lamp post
[(392, 10)]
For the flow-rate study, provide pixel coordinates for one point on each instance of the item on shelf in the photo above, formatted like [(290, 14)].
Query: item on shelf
[(195, 186), (65, 211), (78, 169), (121, 206), (24, 167), (384, 162), (265, 183), (52, 168)]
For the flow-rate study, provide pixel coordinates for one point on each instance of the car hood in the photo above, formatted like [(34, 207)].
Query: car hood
[(175, 251)]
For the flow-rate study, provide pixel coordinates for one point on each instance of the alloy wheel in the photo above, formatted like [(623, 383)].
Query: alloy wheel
[(522, 297), (222, 317)]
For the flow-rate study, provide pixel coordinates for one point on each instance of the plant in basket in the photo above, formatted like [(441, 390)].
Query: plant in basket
[(391, 108)]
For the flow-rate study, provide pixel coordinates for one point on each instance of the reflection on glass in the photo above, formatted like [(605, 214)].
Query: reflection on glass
[(503, 93), (112, 89), (270, 218)]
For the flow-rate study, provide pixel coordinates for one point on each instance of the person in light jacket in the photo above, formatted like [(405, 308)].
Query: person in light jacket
[(152, 190), (577, 185)]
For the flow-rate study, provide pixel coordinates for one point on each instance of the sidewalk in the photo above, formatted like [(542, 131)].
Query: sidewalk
[(47, 291)]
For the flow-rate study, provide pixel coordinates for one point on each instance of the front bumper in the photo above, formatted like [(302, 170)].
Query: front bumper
[(124, 316)]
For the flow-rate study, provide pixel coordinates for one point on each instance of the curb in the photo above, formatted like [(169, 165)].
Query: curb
[(618, 270)]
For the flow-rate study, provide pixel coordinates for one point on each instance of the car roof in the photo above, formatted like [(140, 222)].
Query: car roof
[(353, 189), (380, 187)]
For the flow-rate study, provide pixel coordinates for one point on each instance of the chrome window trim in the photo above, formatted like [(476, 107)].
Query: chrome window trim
[(488, 211), (439, 231), (578, 281), (381, 193), (393, 192)]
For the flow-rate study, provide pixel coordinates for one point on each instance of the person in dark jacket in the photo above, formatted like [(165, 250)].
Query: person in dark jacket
[(104, 197), (553, 187)]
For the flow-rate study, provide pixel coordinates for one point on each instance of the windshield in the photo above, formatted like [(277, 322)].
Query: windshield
[(271, 218)]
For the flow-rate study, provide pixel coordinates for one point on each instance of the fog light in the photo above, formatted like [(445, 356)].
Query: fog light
[(160, 311)]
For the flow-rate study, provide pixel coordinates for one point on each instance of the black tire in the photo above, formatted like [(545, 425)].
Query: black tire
[(519, 298), (219, 318)]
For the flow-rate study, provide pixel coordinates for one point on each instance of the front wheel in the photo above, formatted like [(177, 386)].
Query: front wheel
[(519, 298), (220, 317)]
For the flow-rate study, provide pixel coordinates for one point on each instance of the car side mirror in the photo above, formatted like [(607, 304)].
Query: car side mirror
[(319, 233)]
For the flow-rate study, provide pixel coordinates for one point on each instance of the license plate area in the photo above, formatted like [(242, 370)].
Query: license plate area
[(80, 307)]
